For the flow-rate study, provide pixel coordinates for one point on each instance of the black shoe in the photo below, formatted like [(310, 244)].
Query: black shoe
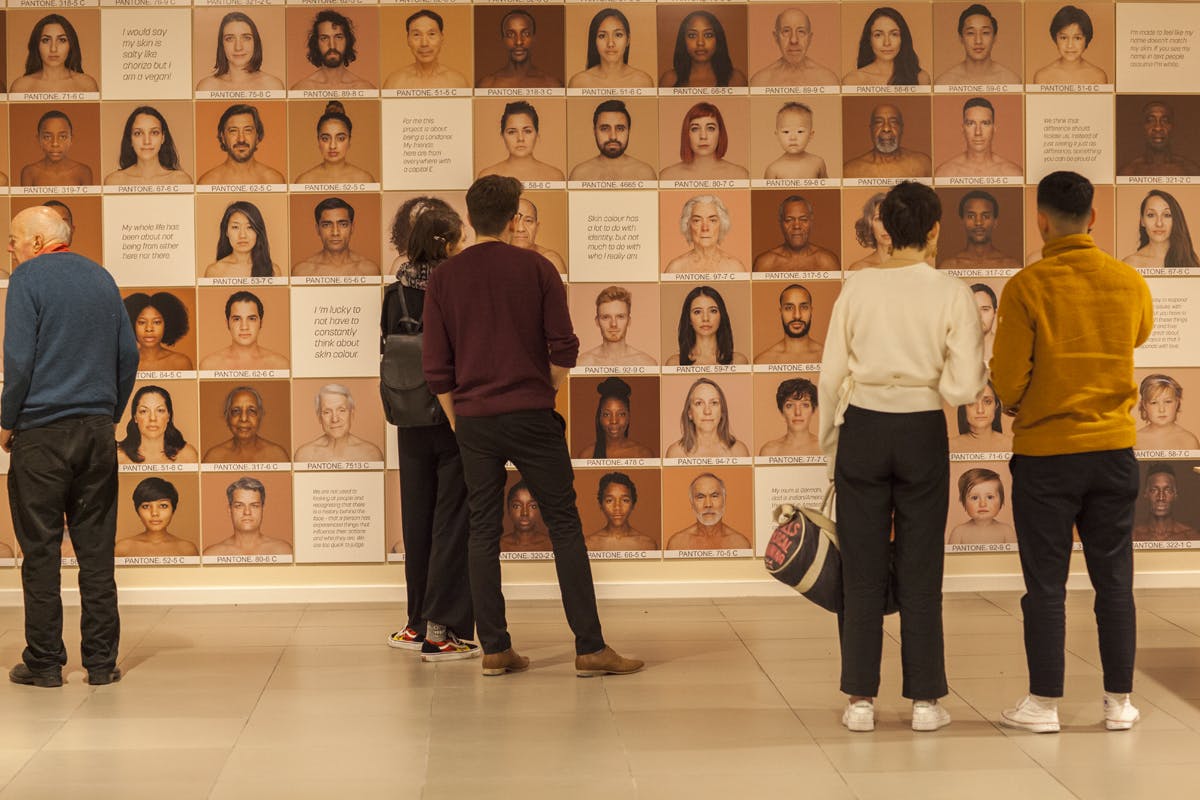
[(26, 677), (102, 677)]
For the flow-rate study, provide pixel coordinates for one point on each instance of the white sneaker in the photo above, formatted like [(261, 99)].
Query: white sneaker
[(1119, 713), (859, 716), (929, 715), (1031, 715)]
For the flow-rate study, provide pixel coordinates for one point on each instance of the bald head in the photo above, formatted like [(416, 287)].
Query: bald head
[(35, 230)]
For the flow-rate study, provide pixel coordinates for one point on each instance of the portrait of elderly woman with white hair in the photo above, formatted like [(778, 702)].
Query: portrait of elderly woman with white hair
[(704, 222)]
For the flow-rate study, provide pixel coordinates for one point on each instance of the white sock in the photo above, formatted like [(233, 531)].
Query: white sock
[(1117, 698), (435, 632), (1048, 703)]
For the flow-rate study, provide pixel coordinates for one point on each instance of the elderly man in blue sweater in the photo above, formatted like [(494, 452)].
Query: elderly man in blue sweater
[(70, 359)]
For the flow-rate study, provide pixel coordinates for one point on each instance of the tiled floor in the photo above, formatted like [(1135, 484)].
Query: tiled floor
[(740, 699)]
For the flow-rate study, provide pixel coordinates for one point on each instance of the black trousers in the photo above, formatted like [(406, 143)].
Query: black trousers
[(893, 470), (433, 498), (533, 441), (1096, 493), (67, 469)]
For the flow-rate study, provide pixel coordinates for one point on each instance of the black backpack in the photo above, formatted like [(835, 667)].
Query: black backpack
[(407, 401)]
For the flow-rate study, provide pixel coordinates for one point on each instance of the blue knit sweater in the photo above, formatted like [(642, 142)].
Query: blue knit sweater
[(69, 348)]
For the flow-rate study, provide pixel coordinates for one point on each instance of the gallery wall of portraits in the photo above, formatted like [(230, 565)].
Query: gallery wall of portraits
[(704, 177)]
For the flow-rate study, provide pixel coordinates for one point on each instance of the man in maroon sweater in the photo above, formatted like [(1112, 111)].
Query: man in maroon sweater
[(498, 343)]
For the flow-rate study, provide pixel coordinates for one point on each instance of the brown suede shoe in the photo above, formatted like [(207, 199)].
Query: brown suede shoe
[(605, 662), (504, 661)]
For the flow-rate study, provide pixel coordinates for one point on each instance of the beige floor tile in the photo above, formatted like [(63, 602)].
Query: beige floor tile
[(244, 617), (1112, 748), (302, 706), (124, 790), (132, 700), (1101, 781), (292, 765), (115, 767), (785, 628), (28, 734), (453, 787), (385, 620), (287, 788), (947, 749), (313, 636), (950, 784), (737, 729), (811, 783), (146, 733), (166, 635), (12, 761), (274, 732), (694, 756)]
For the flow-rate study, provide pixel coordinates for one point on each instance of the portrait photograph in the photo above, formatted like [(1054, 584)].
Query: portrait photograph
[(242, 237), (794, 45), (164, 326), (158, 517), (978, 137), (982, 228), (236, 149), (393, 529), (334, 141), (83, 213), (704, 231), (266, 339), (325, 54), (707, 416), (791, 320), (617, 324), (621, 509), (796, 230), (980, 505), (398, 209), (706, 324), (703, 138), (239, 50), (1152, 226), (886, 46), (1156, 135), (269, 425), (981, 427), (708, 508), (519, 47), (147, 144), (327, 239), (541, 226), (865, 243), (971, 49), (53, 51), (8, 539), (149, 436), (266, 528), (1167, 421), (524, 531), (1168, 504), (701, 46), (786, 417), (1070, 44), (611, 50), (337, 421), (435, 52), (1103, 231), (5, 165), (521, 138), (795, 138), (612, 139), (886, 137), (614, 417), (54, 144)]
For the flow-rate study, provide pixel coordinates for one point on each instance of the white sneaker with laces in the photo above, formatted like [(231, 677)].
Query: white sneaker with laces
[(929, 715), (859, 716), (1032, 716), (1119, 713)]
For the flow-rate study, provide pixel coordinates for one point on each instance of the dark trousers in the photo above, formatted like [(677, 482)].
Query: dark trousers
[(533, 441), (67, 469), (1096, 493), (892, 470), (433, 498)]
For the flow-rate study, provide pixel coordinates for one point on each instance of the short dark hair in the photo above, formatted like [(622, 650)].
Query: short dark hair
[(519, 107), (433, 232), (795, 389), (516, 487), (1158, 468), (616, 477), (979, 102), (519, 12), (172, 309), (234, 110), (424, 12), (1072, 15), (614, 106), (330, 203), (338, 20), (909, 212), (54, 113), (244, 297), (989, 291), (492, 202), (977, 9), (1065, 194), (978, 194), (152, 489), (794, 198)]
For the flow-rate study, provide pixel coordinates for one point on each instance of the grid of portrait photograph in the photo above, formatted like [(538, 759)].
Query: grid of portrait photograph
[(703, 176)]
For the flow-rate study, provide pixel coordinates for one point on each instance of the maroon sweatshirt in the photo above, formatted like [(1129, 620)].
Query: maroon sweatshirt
[(496, 318)]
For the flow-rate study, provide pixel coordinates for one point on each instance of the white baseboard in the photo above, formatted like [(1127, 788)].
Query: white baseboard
[(657, 590)]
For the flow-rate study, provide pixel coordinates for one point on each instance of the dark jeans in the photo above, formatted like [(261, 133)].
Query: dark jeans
[(433, 499), (1096, 493), (893, 470), (67, 468), (533, 441)]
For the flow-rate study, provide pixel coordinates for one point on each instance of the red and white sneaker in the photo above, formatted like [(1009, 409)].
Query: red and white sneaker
[(407, 639), (452, 649)]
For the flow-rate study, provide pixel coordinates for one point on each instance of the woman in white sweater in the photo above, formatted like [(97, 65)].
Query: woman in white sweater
[(903, 339)]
